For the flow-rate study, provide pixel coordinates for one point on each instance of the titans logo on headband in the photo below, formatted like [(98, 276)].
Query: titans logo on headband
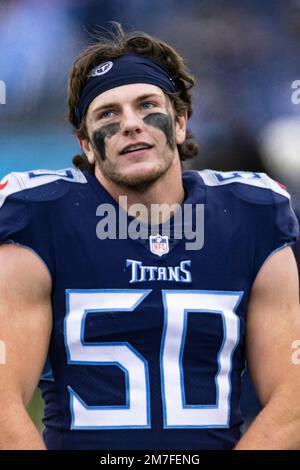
[(101, 69)]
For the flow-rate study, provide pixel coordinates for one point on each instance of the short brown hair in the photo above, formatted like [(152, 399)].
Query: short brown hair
[(119, 43)]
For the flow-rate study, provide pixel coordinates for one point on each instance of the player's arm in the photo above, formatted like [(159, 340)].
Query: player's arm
[(25, 327), (273, 325)]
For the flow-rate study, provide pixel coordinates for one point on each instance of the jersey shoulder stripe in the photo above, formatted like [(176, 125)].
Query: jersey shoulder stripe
[(255, 179), (21, 181)]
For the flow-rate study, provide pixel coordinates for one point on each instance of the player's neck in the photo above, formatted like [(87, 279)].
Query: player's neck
[(167, 190)]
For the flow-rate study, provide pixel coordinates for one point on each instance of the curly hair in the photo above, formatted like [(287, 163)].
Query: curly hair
[(116, 45)]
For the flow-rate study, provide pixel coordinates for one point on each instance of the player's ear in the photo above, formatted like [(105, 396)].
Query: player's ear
[(87, 149), (180, 128)]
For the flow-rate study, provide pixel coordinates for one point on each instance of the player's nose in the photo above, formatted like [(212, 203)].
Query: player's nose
[(131, 121)]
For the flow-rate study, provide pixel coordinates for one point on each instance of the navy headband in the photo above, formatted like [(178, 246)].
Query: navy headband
[(127, 69)]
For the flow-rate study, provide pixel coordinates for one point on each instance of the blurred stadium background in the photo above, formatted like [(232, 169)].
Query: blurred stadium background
[(244, 54)]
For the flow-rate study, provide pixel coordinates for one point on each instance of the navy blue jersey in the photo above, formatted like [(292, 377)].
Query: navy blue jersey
[(148, 345)]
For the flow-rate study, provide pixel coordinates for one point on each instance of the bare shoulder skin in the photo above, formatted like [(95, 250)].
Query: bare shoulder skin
[(25, 328)]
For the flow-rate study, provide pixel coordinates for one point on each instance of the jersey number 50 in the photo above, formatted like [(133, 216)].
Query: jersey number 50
[(178, 304)]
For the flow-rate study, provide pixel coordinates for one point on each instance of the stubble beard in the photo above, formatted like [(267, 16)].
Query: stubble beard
[(138, 181)]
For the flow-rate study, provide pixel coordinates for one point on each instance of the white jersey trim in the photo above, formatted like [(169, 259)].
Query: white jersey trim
[(259, 180), (17, 181)]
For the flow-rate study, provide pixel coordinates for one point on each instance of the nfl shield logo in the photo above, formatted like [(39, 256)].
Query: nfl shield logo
[(159, 244)]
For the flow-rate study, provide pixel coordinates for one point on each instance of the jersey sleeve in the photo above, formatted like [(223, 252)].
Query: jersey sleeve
[(30, 204), (15, 213), (280, 226), (286, 227), (20, 221)]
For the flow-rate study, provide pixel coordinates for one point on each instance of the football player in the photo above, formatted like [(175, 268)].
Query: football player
[(137, 335)]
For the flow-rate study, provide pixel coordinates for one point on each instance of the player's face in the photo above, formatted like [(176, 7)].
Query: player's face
[(133, 135)]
